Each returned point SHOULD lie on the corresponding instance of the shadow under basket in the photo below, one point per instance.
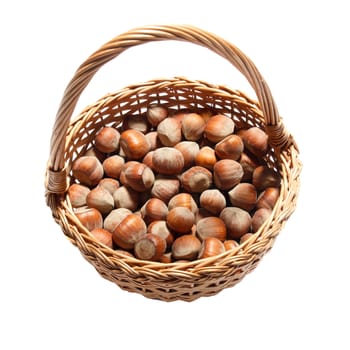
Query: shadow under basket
(72, 138)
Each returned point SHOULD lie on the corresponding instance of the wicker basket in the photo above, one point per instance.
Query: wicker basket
(70, 139)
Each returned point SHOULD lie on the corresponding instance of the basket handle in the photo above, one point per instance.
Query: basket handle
(56, 174)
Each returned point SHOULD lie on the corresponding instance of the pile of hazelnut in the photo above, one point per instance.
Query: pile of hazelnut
(174, 186)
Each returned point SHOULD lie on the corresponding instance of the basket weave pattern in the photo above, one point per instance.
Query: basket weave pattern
(71, 139)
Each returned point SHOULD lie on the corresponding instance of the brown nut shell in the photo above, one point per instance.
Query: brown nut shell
(227, 174)
(237, 221)
(259, 218)
(268, 198)
(129, 231)
(113, 165)
(213, 201)
(107, 139)
(77, 195)
(87, 170)
(186, 247)
(189, 150)
(100, 199)
(155, 114)
(169, 132)
(103, 236)
(211, 246)
(206, 158)
(231, 147)
(243, 196)
(192, 126)
(255, 140)
(168, 161)
(211, 226)
(114, 218)
(218, 127)
(183, 200)
(134, 144)
(180, 220)
(154, 209)
(150, 247)
(164, 188)
(90, 218)
(111, 185)
(264, 177)
(160, 228)
(138, 176)
(125, 197)
(196, 179)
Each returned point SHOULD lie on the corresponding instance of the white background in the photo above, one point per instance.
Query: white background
(297, 298)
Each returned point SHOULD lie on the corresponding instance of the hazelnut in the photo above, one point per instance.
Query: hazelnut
(237, 222)
(168, 161)
(137, 175)
(150, 247)
(264, 177)
(192, 126)
(155, 114)
(165, 188)
(230, 244)
(227, 174)
(169, 132)
(268, 198)
(100, 199)
(111, 185)
(218, 127)
(255, 140)
(87, 170)
(134, 144)
(211, 246)
(154, 209)
(196, 179)
(189, 150)
(186, 247)
(180, 219)
(107, 140)
(160, 228)
(245, 237)
(90, 218)
(77, 195)
(211, 226)
(103, 236)
(212, 200)
(113, 165)
(129, 231)
(183, 200)
(206, 158)
(125, 197)
(259, 218)
(248, 162)
(114, 218)
(153, 140)
(243, 196)
(231, 147)
(148, 160)
(135, 122)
